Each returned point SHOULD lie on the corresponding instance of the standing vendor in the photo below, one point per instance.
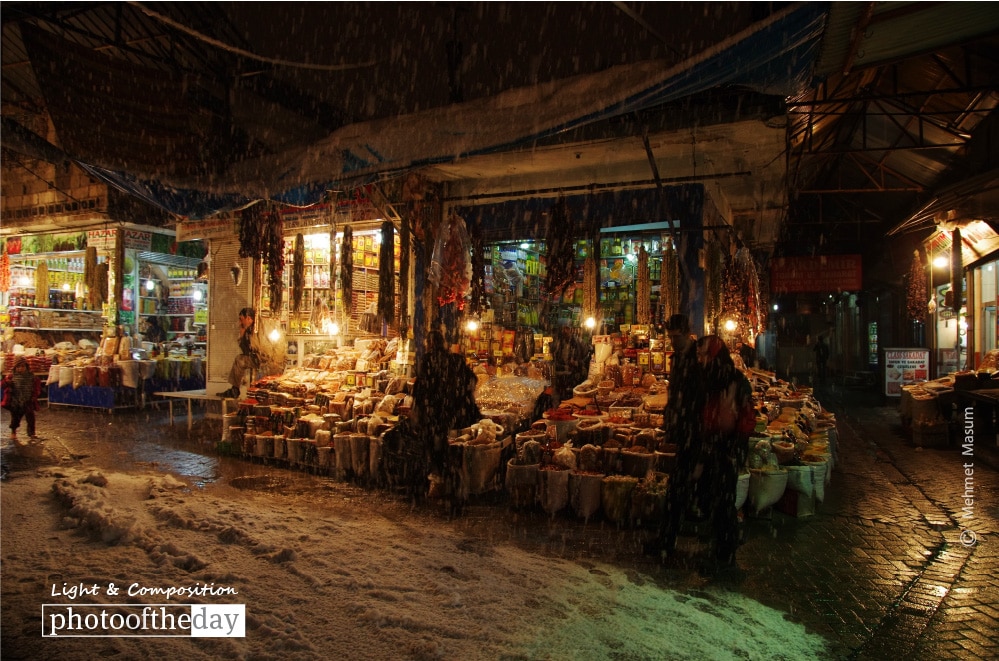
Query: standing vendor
(153, 332)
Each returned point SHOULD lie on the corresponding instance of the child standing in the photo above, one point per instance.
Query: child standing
(21, 390)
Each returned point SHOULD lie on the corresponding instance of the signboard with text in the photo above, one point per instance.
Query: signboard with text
(819, 274)
(903, 367)
(104, 239)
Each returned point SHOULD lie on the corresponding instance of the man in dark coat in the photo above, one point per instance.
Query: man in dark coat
(681, 424)
(443, 399)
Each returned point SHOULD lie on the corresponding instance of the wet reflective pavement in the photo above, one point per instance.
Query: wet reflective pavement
(900, 560)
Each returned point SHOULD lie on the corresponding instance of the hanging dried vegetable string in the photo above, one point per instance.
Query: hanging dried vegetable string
(42, 284)
(590, 287)
(4, 271)
(741, 299)
(478, 286)
(273, 253)
(333, 260)
(298, 273)
(643, 288)
(251, 238)
(90, 278)
(670, 282)
(561, 251)
(347, 270)
(386, 274)
(99, 294)
(713, 284)
(918, 296)
(404, 247)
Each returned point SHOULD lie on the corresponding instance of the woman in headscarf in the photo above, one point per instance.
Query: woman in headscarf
(727, 420)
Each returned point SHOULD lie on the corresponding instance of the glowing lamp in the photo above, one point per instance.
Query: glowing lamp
(590, 323)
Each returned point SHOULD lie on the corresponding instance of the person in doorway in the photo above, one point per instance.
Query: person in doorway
(249, 355)
(821, 357)
(153, 332)
(727, 418)
(443, 399)
(20, 392)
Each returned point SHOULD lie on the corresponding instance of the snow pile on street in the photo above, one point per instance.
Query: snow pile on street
(329, 578)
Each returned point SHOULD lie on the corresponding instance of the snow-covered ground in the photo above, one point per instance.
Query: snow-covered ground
(336, 572)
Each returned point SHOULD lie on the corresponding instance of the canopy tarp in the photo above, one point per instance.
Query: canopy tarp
(774, 56)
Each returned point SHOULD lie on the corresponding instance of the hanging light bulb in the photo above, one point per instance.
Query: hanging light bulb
(274, 335)
(150, 285)
(196, 294)
(472, 325)
(590, 323)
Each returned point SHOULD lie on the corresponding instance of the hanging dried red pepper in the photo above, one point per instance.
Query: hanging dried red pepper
(298, 273)
(386, 274)
(560, 249)
(347, 270)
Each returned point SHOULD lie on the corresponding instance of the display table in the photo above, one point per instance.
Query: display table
(99, 397)
(187, 396)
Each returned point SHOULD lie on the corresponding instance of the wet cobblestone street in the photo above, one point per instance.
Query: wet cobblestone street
(897, 562)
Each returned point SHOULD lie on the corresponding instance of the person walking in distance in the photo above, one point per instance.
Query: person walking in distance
(249, 354)
(20, 392)
(821, 357)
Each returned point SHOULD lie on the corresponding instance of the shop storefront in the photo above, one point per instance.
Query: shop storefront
(338, 401)
(962, 307)
(78, 304)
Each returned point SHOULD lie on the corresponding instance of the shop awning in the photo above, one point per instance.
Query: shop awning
(775, 56)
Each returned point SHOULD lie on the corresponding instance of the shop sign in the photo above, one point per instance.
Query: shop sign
(820, 274)
(904, 367)
(209, 228)
(134, 239)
